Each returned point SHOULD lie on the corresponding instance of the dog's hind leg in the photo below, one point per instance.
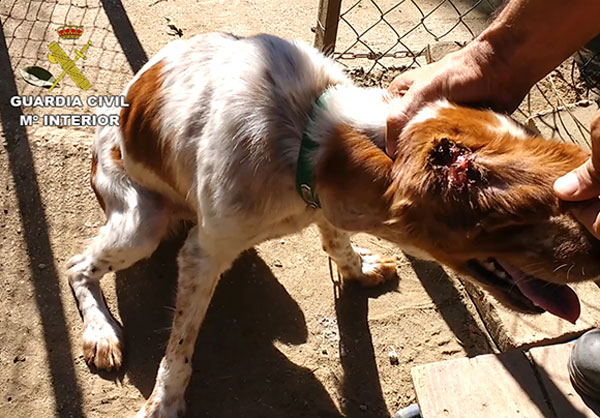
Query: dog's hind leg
(355, 263)
(199, 272)
(136, 222)
(129, 235)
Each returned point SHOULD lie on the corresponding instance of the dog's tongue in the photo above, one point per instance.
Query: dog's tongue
(557, 299)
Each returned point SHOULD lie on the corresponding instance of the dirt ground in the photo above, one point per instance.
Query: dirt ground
(280, 340)
(276, 341)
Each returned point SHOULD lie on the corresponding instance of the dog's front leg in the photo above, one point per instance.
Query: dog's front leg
(199, 274)
(355, 263)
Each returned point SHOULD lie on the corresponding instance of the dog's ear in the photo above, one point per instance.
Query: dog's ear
(470, 168)
(497, 182)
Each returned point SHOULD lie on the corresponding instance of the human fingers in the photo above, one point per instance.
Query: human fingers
(401, 84)
(583, 183)
(405, 90)
(595, 140)
(396, 120)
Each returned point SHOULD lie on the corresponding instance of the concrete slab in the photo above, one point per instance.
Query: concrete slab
(515, 330)
(488, 386)
(531, 384)
(551, 365)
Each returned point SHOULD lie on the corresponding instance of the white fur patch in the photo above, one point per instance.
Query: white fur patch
(428, 112)
(234, 111)
(509, 126)
(363, 109)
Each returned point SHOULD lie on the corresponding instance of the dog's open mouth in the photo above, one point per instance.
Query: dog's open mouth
(526, 291)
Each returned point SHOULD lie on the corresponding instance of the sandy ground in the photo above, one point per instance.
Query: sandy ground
(279, 339)
(276, 342)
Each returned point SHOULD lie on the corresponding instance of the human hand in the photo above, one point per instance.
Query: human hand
(465, 77)
(583, 184)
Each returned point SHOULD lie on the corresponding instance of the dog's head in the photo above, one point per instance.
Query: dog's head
(473, 190)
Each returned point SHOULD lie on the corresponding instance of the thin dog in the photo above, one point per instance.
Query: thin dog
(255, 138)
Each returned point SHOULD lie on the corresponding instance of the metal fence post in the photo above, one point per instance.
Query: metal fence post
(327, 25)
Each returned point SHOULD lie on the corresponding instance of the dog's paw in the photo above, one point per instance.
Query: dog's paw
(103, 344)
(375, 268)
(155, 407)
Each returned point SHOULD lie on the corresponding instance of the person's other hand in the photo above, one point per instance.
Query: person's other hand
(583, 184)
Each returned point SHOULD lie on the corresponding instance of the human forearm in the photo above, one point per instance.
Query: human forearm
(525, 42)
(529, 38)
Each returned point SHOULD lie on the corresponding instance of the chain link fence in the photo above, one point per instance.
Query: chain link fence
(378, 39)
(374, 39)
(28, 28)
(397, 33)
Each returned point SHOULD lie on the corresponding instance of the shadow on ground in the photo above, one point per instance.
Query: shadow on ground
(32, 212)
(238, 372)
(361, 386)
(447, 298)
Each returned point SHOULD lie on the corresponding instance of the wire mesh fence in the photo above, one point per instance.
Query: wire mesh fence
(378, 39)
(396, 33)
(375, 39)
(29, 27)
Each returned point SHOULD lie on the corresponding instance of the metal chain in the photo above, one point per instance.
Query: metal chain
(376, 55)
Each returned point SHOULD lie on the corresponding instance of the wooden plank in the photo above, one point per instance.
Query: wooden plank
(511, 329)
(488, 386)
(438, 50)
(327, 25)
(551, 364)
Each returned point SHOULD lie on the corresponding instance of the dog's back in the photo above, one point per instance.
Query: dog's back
(246, 99)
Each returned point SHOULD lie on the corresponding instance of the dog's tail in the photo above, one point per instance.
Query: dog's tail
(108, 173)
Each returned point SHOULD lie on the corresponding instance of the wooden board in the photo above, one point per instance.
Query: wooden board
(488, 386)
(438, 50)
(511, 330)
(551, 364)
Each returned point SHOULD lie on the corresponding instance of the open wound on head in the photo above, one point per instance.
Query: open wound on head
(454, 166)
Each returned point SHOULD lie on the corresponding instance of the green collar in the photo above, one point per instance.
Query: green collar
(304, 171)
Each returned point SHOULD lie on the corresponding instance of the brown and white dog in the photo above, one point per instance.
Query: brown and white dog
(213, 133)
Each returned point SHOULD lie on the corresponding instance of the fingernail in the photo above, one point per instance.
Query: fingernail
(567, 185)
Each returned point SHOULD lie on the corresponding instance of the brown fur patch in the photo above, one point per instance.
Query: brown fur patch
(508, 212)
(115, 155)
(353, 173)
(140, 124)
(92, 177)
(519, 172)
